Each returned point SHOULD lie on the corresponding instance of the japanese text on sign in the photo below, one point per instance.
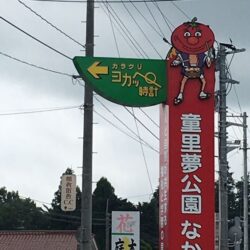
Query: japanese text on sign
(163, 187)
(68, 193)
(191, 192)
(131, 75)
(125, 230)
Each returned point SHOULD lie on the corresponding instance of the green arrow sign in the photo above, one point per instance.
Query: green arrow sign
(130, 82)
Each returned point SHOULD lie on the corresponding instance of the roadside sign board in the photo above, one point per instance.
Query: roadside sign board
(125, 230)
(186, 190)
(125, 81)
(68, 192)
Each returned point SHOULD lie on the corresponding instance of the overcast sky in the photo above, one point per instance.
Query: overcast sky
(35, 149)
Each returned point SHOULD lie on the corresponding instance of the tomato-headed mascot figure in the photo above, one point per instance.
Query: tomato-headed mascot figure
(193, 50)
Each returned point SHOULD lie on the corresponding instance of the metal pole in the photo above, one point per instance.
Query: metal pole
(86, 199)
(107, 225)
(245, 189)
(223, 163)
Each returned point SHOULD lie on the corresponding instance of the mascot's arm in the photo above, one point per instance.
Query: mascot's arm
(177, 61)
(209, 57)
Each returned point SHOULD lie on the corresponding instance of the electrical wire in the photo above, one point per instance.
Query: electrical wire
(42, 202)
(143, 153)
(113, 31)
(233, 128)
(131, 113)
(167, 21)
(34, 65)
(182, 11)
(149, 117)
(52, 25)
(239, 127)
(123, 123)
(117, 25)
(147, 21)
(98, 1)
(127, 32)
(234, 112)
(124, 132)
(157, 24)
(140, 28)
(40, 111)
(139, 195)
(237, 97)
(34, 38)
(229, 64)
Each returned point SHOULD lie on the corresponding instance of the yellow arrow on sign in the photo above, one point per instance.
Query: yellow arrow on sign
(95, 70)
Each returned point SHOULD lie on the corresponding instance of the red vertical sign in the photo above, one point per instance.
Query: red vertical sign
(187, 142)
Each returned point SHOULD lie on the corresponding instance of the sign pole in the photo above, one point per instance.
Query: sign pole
(86, 198)
(245, 189)
(223, 163)
(223, 149)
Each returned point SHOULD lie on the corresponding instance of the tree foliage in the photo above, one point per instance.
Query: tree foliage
(104, 202)
(149, 225)
(18, 213)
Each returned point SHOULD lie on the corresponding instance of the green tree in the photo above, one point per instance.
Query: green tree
(231, 192)
(104, 199)
(150, 220)
(145, 246)
(18, 213)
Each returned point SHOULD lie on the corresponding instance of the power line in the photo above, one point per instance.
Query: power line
(52, 25)
(113, 31)
(143, 153)
(100, 1)
(127, 32)
(40, 111)
(42, 202)
(36, 39)
(139, 195)
(124, 132)
(123, 123)
(141, 123)
(149, 117)
(34, 65)
(237, 97)
(140, 28)
(167, 21)
(145, 19)
(117, 25)
(182, 11)
(151, 13)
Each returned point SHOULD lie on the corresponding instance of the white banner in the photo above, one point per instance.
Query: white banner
(68, 192)
(125, 230)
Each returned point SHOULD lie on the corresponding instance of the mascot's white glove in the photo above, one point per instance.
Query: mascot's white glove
(176, 62)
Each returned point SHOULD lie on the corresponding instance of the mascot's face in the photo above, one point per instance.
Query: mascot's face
(192, 38)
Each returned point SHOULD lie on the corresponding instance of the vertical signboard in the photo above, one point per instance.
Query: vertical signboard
(68, 192)
(125, 230)
(164, 176)
(187, 142)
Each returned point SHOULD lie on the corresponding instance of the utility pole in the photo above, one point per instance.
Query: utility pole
(245, 189)
(223, 163)
(107, 226)
(245, 175)
(86, 199)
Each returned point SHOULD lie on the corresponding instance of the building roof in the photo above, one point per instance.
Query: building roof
(38, 240)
